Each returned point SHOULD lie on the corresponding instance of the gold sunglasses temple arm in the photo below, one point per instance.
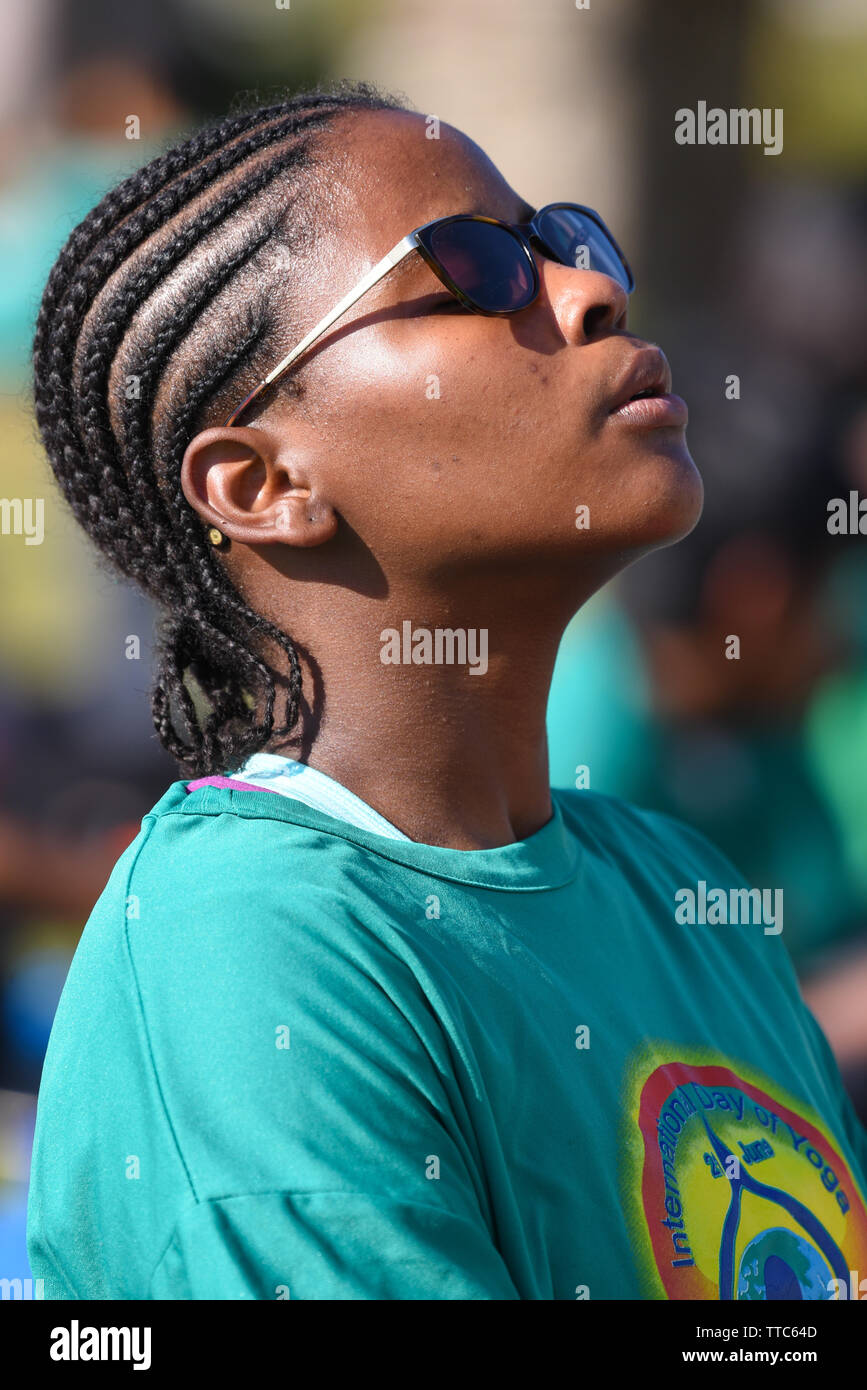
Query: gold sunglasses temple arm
(381, 269)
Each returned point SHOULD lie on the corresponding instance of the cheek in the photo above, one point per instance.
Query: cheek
(453, 395)
(439, 441)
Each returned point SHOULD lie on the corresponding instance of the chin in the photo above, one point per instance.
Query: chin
(668, 497)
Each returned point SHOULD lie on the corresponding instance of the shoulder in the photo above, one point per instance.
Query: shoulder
(216, 914)
(641, 834)
(228, 938)
(226, 900)
(214, 852)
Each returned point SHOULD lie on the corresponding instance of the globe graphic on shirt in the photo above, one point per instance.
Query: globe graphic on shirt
(780, 1264)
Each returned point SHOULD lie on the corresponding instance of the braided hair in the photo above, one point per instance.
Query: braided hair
(157, 316)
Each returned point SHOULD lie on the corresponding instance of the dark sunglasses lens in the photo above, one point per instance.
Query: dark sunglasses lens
(577, 240)
(487, 263)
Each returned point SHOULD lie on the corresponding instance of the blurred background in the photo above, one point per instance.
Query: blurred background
(748, 266)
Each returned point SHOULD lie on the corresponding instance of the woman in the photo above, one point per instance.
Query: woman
(366, 1011)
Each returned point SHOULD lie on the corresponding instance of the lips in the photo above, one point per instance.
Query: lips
(648, 375)
(644, 398)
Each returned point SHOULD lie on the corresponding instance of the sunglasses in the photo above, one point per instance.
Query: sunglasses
(488, 265)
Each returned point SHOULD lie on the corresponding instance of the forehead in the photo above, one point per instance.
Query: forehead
(386, 175)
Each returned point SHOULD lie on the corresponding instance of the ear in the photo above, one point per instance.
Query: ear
(255, 490)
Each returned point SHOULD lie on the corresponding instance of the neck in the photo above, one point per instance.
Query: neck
(450, 756)
(455, 760)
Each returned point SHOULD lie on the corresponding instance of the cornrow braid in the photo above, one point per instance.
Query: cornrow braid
(158, 295)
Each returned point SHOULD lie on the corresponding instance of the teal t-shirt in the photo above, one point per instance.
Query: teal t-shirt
(297, 1059)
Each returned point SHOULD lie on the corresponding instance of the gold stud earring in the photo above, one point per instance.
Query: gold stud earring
(217, 539)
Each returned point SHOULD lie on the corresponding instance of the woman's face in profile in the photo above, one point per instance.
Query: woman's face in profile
(446, 438)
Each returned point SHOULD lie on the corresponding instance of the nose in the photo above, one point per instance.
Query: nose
(587, 304)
